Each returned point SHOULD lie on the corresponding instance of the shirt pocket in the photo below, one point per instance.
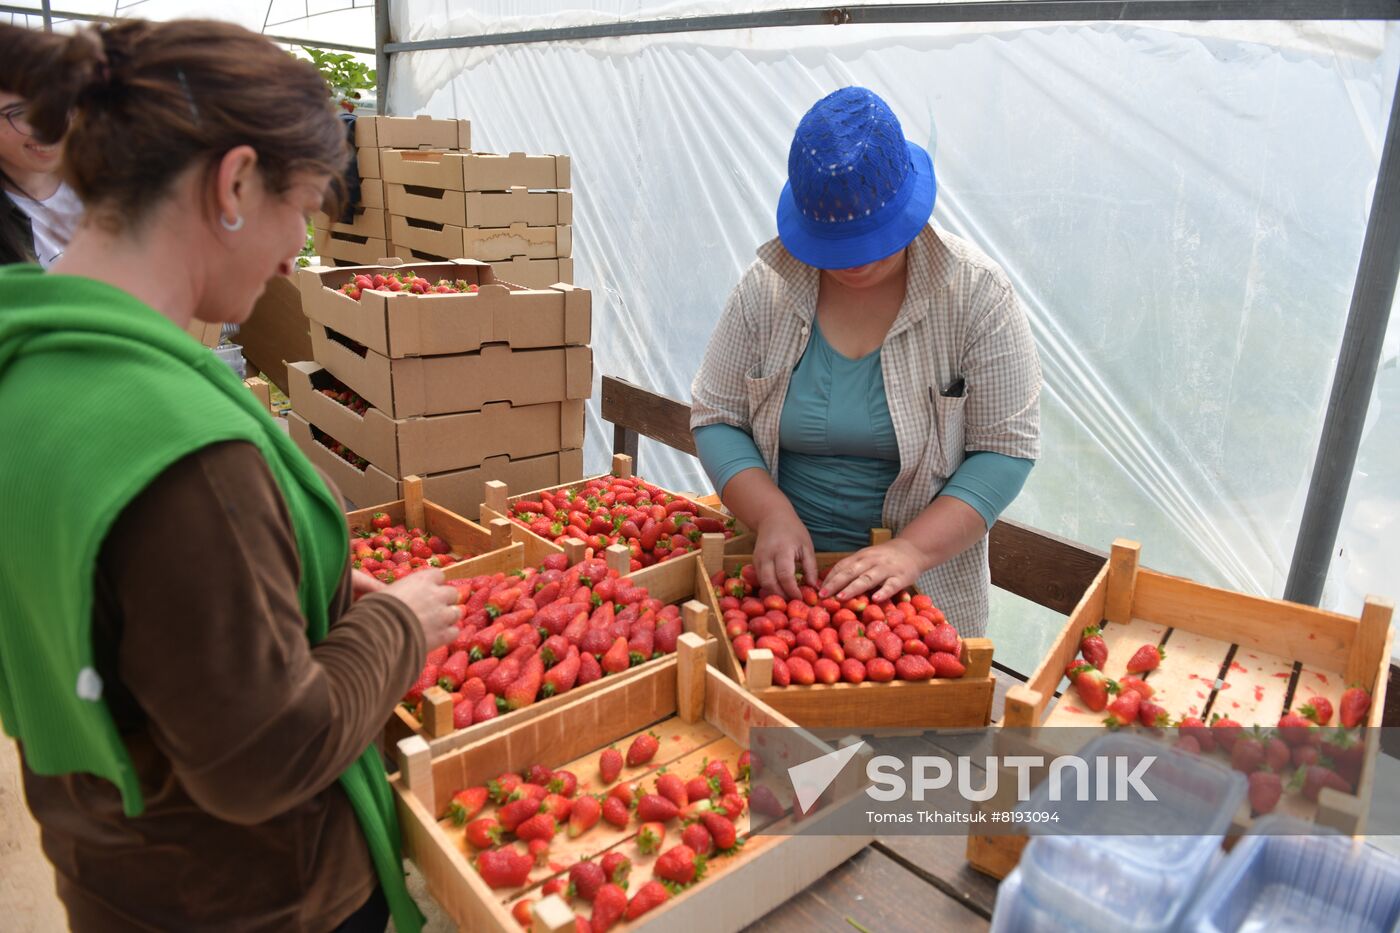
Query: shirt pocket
(949, 413)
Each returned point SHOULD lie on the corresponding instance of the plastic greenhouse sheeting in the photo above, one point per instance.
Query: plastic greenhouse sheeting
(1180, 207)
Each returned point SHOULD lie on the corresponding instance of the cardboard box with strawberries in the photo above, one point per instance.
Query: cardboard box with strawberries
(527, 273)
(460, 490)
(436, 444)
(399, 324)
(472, 171)
(485, 243)
(418, 132)
(481, 208)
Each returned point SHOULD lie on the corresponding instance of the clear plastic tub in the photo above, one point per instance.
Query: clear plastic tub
(1281, 882)
(1130, 866)
(232, 354)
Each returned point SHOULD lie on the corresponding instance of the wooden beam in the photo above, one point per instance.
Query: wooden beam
(1047, 570)
(1122, 580)
(656, 416)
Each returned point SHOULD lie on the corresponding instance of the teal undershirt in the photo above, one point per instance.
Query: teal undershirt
(838, 454)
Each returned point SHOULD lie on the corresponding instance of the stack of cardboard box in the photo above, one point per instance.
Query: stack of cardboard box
(456, 388)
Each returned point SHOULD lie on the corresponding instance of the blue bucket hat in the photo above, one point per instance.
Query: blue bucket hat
(857, 190)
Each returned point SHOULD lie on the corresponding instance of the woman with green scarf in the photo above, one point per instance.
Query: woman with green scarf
(194, 698)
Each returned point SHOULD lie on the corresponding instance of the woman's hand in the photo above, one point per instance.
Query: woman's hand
(891, 566)
(432, 601)
(783, 547)
(362, 584)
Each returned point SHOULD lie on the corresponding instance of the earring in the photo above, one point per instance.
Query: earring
(232, 227)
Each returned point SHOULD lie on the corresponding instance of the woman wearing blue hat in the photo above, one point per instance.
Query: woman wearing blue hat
(869, 371)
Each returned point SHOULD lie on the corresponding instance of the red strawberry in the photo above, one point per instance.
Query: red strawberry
(1091, 645)
(1305, 755)
(650, 837)
(521, 913)
(616, 659)
(1247, 754)
(1137, 685)
(526, 687)
(1353, 706)
(1224, 730)
(1318, 709)
(679, 865)
(505, 785)
(539, 826)
(698, 788)
(564, 783)
(1265, 789)
(506, 867)
(649, 895)
(586, 878)
(719, 770)
(453, 671)
(744, 763)
(696, 808)
(484, 833)
(1196, 728)
(380, 520)
(539, 774)
(558, 806)
(944, 638)
(1346, 751)
(616, 812)
(626, 791)
(462, 714)
(539, 851)
(608, 907)
(610, 765)
(1188, 744)
(1294, 728)
(558, 885)
(880, 671)
(732, 805)
(698, 838)
(722, 831)
(914, 668)
(1314, 778)
(1123, 711)
(1277, 754)
(1150, 714)
(467, 804)
(584, 815)
(562, 676)
(617, 867)
(1145, 659)
(947, 665)
(642, 750)
(588, 669)
(517, 811)
(653, 808)
(673, 789)
(1092, 685)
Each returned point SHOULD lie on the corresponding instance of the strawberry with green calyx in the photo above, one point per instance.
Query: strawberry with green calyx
(609, 905)
(698, 838)
(584, 815)
(467, 804)
(615, 811)
(1094, 687)
(1195, 728)
(653, 808)
(678, 867)
(723, 832)
(617, 867)
(1224, 730)
(648, 897)
(1152, 715)
(506, 867)
(1311, 781)
(616, 660)
(1247, 752)
(515, 812)
(744, 765)
(694, 809)
(701, 788)
(540, 826)
(564, 783)
(521, 913)
(1352, 708)
(380, 521)
(1318, 709)
(484, 833)
(673, 789)
(1296, 729)
(586, 878)
(1137, 685)
(650, 837)
(559, 807)
(1146, 658)
(1092, 646)
(643, 749)
(1123, 711)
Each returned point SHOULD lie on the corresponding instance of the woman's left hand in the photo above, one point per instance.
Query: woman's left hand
(362, 584)
(890, 567)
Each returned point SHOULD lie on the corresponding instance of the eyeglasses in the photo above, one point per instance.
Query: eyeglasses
(16, 115)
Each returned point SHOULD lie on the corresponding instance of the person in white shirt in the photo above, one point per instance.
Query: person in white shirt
(38, 211)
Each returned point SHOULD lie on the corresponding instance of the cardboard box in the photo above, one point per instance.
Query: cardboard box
(420, 132)
(276, 332)
(487, 244)
(369, 222)
(368, 162)
(372, 193)
(207, 334)
(361, 250)
(440, 443)
(440, 385)
(528, 273)
(458, 490)
(262, 391)
(473, 171)
(397, 325)
(481, 208)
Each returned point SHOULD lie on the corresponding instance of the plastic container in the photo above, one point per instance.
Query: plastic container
(232, 354)
(1278, 881)
(1129, 866)
(1017, 910)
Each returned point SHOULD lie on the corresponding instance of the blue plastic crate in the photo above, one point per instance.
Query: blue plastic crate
(1279, 882)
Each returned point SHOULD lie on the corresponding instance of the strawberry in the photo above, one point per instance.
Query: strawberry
(558, 806)
(1145, 659)
(1151, 714)
(947, 665)
(467, 804)
(1265, 789)
(696, 808)
(1312, 779)
(1353, 707)
(1247, 753)
(723, 832)
(1293, 728)
(562, 676)
(616, 812)
(1346, 752)
(719, 770)
(610, 765)
(1123, 711)
(1318, 709)
(1092, 646)
(521, 913)
(539, 851)
(679, 865)
(526, 687)
(453, 671)
(699, 788)
(1188, 744)
(516, 812)
(380, 521)
(1195, 727)
(650, 895)
(608, 907)
(1277, 754)
(462, 714)
(914, 668)
(558, 885)
(1137, 685)
(506, 867)
(1224, 730)
(539, 774)
(563, 783)
(1306, 755)
(650, 837)
(539, 826)
(584, 815)
(616, 659)
(585, 879)
(653, 808)
(643, 749)
(1093, 687)
(732, 805)
(698, 838)
(673, 789)
(626, 791)
(617, 867)
(744, 764)
(484, 833)
(505, 785)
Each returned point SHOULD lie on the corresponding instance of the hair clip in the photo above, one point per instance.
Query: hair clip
(189, 97)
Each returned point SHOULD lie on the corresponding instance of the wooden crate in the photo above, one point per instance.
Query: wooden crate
(932, 704)
(432, 720)
(698, 713)
(1247, 657)
(491, 548)
(499, 500)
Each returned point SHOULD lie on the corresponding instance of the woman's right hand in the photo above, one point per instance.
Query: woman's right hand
(783, 547)
(432, 601)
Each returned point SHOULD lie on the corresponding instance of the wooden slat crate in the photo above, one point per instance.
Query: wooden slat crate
(499, 501)
(1246, 657)
(930, 704)
(681, 584)
(699, 714)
